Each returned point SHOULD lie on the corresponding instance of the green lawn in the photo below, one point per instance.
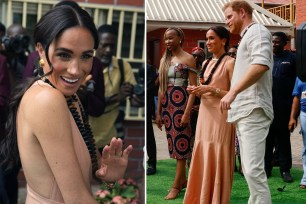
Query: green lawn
(158, 184)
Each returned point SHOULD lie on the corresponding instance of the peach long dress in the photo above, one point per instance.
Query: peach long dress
(212, 165)
(84, 160)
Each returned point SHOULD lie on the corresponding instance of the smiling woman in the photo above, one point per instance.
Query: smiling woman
(47, 124)
(212, 165)
(177, 67)
(72, 56)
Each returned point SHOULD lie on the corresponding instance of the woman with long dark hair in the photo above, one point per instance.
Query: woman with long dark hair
(212, 165)
(48, 131)
(177, 67)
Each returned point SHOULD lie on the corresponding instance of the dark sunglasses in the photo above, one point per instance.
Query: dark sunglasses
(231, 54)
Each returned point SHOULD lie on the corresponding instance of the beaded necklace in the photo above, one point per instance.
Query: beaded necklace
(212, 71)
(82, 125)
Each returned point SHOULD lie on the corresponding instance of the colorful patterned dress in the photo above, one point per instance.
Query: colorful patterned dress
(174, 104)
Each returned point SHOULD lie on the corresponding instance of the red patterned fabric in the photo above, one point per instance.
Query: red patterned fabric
(174, 103)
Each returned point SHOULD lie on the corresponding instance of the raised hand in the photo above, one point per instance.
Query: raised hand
(113, 161)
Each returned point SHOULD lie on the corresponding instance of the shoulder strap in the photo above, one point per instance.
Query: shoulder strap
(121, 68)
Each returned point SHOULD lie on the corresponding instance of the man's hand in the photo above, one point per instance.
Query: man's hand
(125, 90)
(225, 103)
(86, 80)
(114, 161)
(292, 124)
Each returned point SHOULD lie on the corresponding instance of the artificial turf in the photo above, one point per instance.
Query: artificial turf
(158, 184)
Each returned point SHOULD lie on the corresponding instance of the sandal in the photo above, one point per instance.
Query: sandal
(174, 192)
(184, 185)
(302, 186)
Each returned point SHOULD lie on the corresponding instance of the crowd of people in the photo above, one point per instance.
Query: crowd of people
(241, 102)
(56, 101)
(250, 99)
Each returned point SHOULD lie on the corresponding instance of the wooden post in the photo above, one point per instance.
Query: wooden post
(291, 11)
(263, 3)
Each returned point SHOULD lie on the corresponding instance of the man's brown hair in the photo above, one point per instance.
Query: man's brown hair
(236, 5)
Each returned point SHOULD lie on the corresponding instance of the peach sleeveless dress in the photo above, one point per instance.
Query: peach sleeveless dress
(55, 196)
(212, 165)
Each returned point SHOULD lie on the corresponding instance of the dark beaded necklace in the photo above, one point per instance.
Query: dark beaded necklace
(212, 70)
(83, 126)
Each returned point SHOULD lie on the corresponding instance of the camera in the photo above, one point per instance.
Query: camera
(139, 87)
(17, 44)
(91, 86)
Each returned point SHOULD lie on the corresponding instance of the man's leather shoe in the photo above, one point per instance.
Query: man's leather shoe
(151, 170)
(287, 177)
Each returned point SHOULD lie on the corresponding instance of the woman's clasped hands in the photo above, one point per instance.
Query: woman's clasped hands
(199, 90)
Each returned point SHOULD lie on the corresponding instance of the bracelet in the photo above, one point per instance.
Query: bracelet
(217, 91)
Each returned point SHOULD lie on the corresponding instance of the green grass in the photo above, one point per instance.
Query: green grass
(158, 184)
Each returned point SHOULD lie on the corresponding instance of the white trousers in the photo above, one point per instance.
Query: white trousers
(252, 132)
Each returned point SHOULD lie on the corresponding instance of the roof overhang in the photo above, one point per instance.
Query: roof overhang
(201, 15)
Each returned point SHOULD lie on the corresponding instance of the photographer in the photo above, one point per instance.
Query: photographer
(137, 99)
(8, 175)
(2, 33)
(15, 46)
(119, 81)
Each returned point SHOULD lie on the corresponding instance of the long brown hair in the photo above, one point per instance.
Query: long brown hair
(166, 61)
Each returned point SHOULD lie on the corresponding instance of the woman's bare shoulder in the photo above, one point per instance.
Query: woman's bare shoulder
(41, 101)
(230, 62)
(189, 60)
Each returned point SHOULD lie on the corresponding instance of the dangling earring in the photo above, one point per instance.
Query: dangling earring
(41, 62)
(180, 42)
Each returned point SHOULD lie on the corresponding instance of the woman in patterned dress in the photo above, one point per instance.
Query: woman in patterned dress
(177, 67)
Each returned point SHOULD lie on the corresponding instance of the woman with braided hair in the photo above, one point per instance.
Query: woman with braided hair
(174, 104)
(212, 165)
(48, 131)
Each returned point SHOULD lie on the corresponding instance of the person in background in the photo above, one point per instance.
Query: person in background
(16, 44)
(2, 34)
(174, 105)
(8, 178)
(119, 80)
(233, 51)
(47, 127)
(299, 109)
(151, 143)
(249, 101)
(284, 75)
(199, 57)
(212, 165)
(8, 78)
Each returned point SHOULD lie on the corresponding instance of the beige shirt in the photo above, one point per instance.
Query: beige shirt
(255, 48)
(103, 126)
